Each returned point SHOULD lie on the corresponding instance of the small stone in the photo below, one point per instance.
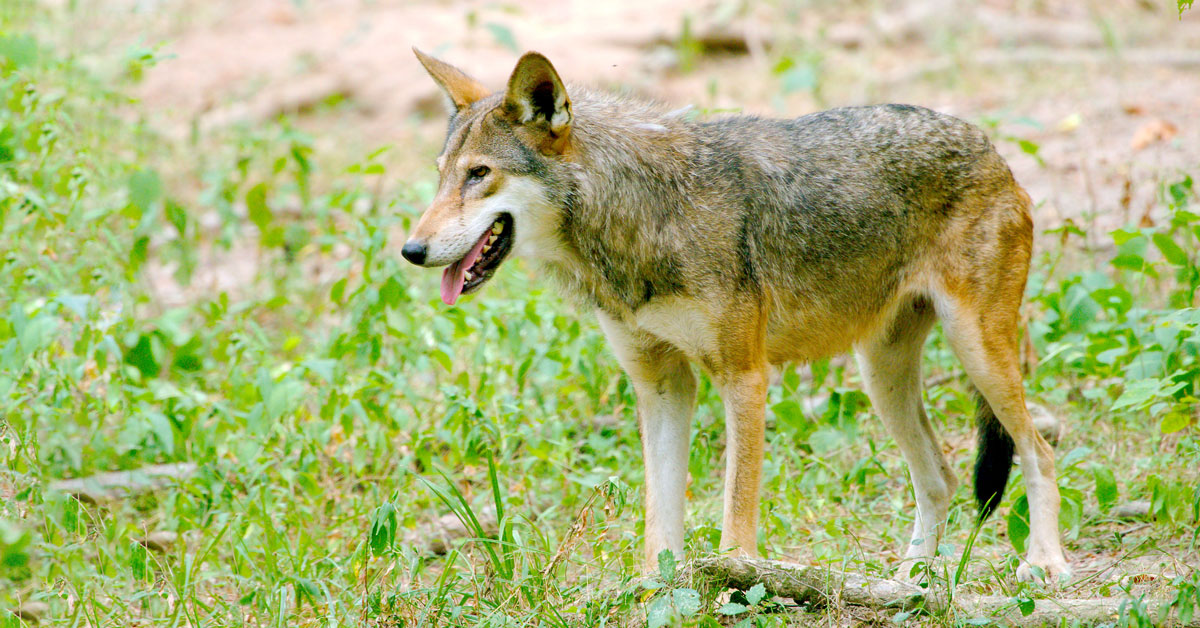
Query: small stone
(160, 541)
(33, 611)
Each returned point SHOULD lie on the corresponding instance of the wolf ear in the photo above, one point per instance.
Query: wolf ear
(462, 89)
(536, 97)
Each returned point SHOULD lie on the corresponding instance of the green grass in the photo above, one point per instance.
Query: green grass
(335, 408)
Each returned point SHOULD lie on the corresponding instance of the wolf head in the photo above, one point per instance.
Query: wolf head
(497, 173)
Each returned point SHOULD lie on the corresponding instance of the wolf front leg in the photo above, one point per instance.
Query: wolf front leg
(666, 395)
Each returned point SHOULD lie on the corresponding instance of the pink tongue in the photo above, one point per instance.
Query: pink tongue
(455, 274)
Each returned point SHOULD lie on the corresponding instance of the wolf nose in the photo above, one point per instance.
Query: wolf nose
(414, 252)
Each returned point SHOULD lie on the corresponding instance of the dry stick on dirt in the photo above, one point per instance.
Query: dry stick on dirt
(1037, 56)
(820, 586)
(117, 484)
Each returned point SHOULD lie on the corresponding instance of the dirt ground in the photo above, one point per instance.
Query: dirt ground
(1109, 91)
(1094, 103)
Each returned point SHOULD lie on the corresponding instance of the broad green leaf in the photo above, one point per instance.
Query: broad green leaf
(1175, 421)
(442, 358)
(1137, 394)
(756, 594)
(144, 189)
(139, 561)
(77, 303)
(323, 368)
(37, 334)
(141, 356)
(1081, 308)
(733, 608)
(666, 565)
(1018, 524)
(14, 547)
(383, 529)
(20, 50)
(1030, 148)
(660, 612)
(1106, 487)
(1121, 237)
(177, 216)
(256, 207)
(1170, 249)
(687, 601)
(392, 292)
(1071, 511)
(337, 292)
(307, 590)
(138, 252)
(284, 397)
(161, 426)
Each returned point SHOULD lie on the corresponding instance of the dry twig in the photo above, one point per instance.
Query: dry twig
(117, 484)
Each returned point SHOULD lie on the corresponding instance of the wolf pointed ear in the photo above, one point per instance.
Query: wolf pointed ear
(536, 97)
(462, 89)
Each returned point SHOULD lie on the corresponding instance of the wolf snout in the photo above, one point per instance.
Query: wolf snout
(414, 252)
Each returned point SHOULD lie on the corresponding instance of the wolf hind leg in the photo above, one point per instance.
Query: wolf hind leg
(981, 326)
(890, 363)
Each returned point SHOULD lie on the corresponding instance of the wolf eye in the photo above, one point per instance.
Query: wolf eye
(478, 172)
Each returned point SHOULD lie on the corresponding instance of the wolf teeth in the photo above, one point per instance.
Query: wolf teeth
(498, 228)
(469, 276)
(491, 241)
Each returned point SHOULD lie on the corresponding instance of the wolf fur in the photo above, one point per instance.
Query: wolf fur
(744, 242)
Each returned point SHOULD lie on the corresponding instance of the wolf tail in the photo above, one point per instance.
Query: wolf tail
(994, 459)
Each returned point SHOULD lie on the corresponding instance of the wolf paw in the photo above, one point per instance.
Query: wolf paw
(1047, 572)
(916, 571)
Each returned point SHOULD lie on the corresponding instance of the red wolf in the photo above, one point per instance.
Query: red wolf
(744, 242)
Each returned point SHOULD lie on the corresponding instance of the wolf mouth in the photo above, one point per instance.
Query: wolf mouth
(480, 263)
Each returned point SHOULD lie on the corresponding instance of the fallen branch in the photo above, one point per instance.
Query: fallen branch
(815, 586)
(95, 488)
(1030, 57)
(1137, 509)
(820, 586)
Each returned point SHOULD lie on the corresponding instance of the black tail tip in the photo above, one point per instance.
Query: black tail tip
(994, 459)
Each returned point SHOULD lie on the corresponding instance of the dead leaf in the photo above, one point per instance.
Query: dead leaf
(1146, 222)
(1156, 130)
(1126, 194)
(1070, 123)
